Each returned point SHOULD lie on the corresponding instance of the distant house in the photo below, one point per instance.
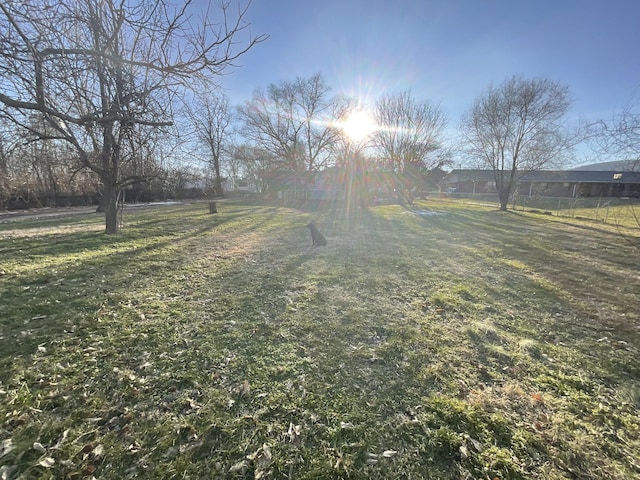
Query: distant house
(327, 185)
(609, 179)
(230, 185)
(290, 187)
(468, 181)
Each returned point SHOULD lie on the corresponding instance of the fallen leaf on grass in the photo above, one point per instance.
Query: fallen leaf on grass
(38, 447)
(47, 462)
(464, 452)
(6, 446)
(294, 433)
(98, 452)
(244, 389)
(65, 434)
(238, 467)
(477, 446)
(262, 457)
(537, 398)
(6, 471)
(389, 453)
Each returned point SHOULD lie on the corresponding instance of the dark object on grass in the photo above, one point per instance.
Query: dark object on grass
(316, 237)
(213, 208)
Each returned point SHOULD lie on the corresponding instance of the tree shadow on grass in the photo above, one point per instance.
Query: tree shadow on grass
(48, 298)
(71, 271)
(319, 341)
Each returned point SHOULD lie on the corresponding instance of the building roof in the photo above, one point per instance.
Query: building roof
(616, 165)
(581, 176)
(468, 175)
(548, 176)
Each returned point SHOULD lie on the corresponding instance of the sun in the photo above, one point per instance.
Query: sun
(358, 125)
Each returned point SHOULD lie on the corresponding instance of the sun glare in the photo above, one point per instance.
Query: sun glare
(358, 125)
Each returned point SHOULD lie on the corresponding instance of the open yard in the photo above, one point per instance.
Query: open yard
(448, 341)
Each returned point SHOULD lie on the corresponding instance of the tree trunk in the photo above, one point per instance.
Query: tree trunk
(218, 179)
(110, 205)
(503, 187)
(504, 200)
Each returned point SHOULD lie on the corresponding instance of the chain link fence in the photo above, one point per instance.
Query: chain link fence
(605, 210)
(616, 211)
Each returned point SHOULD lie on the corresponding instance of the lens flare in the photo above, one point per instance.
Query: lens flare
(358, 125)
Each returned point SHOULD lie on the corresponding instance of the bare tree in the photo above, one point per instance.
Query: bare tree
(233, 165)
(256, 163)
(409, 139)
(518, 127)
(102, 72)
(620, 135)
(211, 117)
(292, 121)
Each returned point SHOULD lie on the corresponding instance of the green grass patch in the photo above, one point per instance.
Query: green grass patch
(469, 343)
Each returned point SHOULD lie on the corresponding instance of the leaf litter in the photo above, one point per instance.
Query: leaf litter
(349, 379)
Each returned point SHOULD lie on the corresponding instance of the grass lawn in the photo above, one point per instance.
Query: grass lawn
(451, 341)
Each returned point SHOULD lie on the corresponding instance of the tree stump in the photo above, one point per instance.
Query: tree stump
(213, 208)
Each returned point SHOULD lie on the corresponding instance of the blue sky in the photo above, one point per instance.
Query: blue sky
(447, 51)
